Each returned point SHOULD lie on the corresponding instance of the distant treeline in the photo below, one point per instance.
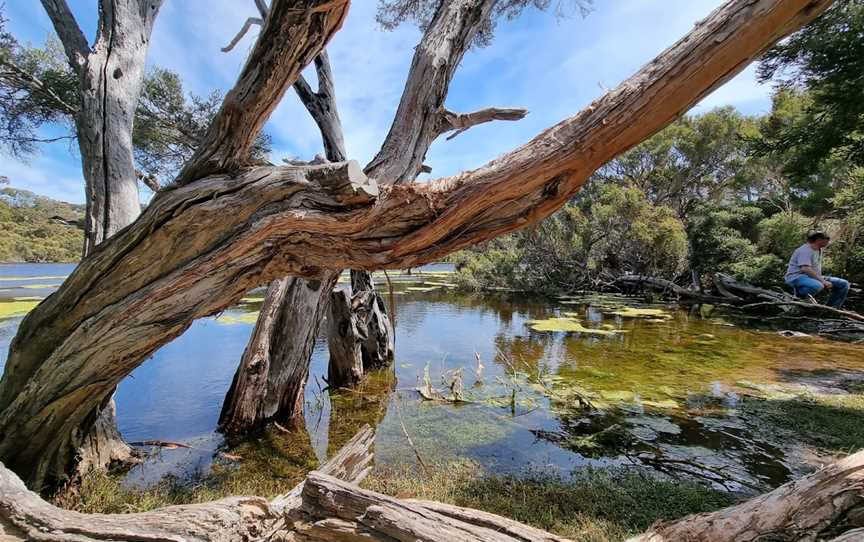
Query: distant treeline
(31, 234)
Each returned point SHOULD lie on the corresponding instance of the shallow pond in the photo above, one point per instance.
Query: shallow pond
(560, 383)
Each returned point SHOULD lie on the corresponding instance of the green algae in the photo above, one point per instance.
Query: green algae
(569, 325)
(637, 312)
(235, 318)
(12, 309)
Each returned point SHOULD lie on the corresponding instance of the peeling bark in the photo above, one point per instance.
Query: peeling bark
(370, 313)
(199, 246)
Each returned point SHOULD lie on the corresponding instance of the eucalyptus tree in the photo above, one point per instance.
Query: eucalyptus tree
(227, 224)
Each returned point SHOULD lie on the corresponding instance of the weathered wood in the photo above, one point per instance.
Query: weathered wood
(826, 505)
(370, 315)
(294, 32)
(200, 246)
(344, 340)
(25, 516)
(421, 116)
(272, 374)
(275, 364)
(110, 79)
(334, 510)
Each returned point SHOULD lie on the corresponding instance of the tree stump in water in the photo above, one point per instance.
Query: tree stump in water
(344, 339)
(377, 348)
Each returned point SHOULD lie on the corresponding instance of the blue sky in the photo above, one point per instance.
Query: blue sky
(549, 65)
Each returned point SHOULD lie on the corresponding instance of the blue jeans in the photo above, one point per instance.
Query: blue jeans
(805, 286)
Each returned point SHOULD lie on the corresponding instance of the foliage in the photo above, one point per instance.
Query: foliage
(587, 238)
(25, 107)
(30, 234)
(825, 59)
(392, 13)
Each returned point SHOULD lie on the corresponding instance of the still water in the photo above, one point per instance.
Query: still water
(548, 384)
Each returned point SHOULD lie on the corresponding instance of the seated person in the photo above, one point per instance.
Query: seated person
(804, 273)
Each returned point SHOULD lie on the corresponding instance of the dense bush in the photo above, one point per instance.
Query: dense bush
(30, 234)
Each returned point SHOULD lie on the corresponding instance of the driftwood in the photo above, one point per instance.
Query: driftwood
(327, 506)
(827, 505)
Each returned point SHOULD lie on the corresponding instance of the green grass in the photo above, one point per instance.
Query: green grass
(832, 422)
(594, 506)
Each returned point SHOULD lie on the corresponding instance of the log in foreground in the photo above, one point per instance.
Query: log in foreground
(202, 244)
(827, 505)
(327, 506)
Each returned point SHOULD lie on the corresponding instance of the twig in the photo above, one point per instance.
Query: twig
(408, 438)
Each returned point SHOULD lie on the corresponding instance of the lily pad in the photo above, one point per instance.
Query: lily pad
(238, 318)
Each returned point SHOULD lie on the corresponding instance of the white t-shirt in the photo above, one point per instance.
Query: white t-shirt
(804, 255)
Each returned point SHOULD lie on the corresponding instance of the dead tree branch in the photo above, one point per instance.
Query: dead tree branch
(461, 122)
(293, 34)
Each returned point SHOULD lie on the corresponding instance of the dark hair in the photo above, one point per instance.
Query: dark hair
(817, 236)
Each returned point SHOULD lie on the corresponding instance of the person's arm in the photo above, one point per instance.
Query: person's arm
(810, 272)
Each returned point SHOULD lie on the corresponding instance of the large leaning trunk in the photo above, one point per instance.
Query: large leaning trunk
(110, 77)
(223, 228)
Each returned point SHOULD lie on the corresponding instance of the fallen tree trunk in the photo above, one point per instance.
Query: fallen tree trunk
(204, 242)
(827, 505)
